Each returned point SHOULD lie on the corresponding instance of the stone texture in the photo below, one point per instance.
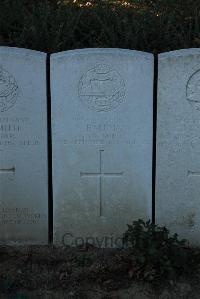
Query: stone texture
(178, 143)
(23, 147)
(102, 143)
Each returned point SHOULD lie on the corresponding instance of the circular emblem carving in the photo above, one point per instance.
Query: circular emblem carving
(101, 88)
(8, 90)
(193, 90)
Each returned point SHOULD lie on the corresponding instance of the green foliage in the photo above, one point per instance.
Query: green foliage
(156, 254)
(53, 25)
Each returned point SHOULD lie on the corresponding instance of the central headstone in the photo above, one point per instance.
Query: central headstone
(102, 143)
(23, 147)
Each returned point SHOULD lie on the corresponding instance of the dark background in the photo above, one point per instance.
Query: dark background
(52, 25)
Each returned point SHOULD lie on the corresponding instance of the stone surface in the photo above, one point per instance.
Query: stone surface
(23, 147)
(102, 143)
(178, 143)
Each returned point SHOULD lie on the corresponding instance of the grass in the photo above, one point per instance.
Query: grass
(52, 26)
(62, 272)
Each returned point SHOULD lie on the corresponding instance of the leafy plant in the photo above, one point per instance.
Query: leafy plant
(155, 254)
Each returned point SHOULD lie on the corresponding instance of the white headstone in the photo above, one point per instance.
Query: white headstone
(178, 143)
(102, 142)
(23, 147)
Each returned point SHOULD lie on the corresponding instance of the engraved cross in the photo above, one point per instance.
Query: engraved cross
(7, 170)
(101, 174)
(192, 173)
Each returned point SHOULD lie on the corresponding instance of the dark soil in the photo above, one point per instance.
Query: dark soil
(58, 272)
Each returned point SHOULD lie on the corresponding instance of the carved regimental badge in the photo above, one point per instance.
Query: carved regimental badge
(101, 88)
(193, 90)
(8, 90)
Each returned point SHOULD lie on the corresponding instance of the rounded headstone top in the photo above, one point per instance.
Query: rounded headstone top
(113, 51)
(179, 53)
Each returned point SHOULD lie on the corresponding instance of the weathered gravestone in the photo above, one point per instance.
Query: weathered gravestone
(102, 143)
(178, 143)
(23, 147)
